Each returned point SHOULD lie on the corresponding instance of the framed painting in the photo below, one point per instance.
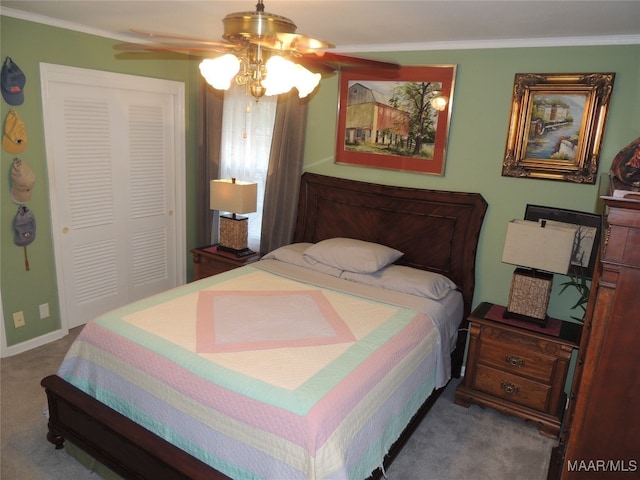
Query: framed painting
(398, 123)
(556, 126)
(585, 251)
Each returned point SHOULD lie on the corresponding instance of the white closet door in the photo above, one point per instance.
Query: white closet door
(111, 157)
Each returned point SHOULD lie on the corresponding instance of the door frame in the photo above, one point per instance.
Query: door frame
(51, 73)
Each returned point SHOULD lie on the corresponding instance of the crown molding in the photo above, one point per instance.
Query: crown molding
(54, 22)
(496, 43)
(388, 47)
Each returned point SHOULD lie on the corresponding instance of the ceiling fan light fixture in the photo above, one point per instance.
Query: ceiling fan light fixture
(279, 76)
(219, 72)
(283, 75)
(306, 81)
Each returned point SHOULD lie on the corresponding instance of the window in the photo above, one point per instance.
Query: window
(247, 130)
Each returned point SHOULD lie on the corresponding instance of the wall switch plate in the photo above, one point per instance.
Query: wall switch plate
(44, 310)
(18, 319)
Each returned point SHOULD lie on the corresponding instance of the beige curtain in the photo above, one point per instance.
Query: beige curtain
(283, 177)
(211, 105)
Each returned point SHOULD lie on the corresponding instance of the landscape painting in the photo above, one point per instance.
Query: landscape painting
(398, 123)
(556, 126)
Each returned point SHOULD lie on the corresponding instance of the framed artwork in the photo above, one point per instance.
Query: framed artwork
(589, 225)
(556, 126)
(397, 123)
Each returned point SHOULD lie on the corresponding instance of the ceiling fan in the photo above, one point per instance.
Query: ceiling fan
(261, 51)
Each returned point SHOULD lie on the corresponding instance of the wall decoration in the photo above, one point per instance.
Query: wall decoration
(395, 120)
(587, 239)
(556, 126)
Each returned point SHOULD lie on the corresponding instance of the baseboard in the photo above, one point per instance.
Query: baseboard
(35, 342)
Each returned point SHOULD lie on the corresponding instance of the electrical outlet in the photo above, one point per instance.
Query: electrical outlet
(18, 319)
(44, 310)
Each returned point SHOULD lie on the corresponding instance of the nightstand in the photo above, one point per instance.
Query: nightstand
(518, 368)
(208, 261)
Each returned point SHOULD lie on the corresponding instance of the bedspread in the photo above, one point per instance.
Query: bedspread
(263, 376)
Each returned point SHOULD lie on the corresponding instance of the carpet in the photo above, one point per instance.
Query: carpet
(451, 443)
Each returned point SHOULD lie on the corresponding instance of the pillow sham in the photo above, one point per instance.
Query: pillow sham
(293, 254)
(351, 254)
(405, 279)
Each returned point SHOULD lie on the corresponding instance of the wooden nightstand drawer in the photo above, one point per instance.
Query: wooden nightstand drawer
(206, 268)
(517, 360)
(512, 387)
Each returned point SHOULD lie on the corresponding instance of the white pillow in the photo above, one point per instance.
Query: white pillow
(293, 254)
(352, 255)
(406, 280)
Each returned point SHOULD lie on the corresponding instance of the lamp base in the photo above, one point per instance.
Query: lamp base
(529, 296)
(233, 233)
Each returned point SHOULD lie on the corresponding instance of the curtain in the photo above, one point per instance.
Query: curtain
(283, 175)
(247, 130)
(278, 196)
(209, 138)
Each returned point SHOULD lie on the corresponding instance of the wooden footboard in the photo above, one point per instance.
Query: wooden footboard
(132, 451)
(115, 441)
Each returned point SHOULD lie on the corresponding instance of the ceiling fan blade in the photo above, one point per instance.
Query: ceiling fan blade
(348, 61)
(185, 49)
(300, 43)
(168, 38)
(156, 55)
(328, 62)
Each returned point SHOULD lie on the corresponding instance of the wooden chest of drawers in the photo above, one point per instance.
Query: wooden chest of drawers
(517, 368)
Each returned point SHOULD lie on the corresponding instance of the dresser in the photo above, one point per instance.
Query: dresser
(208, 261)
(600, 438)
(518, 368)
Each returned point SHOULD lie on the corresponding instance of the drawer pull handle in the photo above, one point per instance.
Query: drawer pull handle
(510, 388)
(514, 361)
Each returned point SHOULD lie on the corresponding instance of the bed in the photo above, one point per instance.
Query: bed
(338, 390)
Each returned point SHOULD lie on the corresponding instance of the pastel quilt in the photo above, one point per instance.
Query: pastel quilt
(262, 376)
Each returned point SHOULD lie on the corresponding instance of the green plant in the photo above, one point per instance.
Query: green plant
(579, 282)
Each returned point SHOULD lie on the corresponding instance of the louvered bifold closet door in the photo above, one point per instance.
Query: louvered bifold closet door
(115, 196)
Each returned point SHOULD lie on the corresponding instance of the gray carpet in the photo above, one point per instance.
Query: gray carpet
(452, 443)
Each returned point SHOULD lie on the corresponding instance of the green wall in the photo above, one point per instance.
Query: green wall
(29, 44)
(477, 137)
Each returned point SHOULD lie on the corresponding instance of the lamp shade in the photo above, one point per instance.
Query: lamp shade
(229, 195)
(530, 244)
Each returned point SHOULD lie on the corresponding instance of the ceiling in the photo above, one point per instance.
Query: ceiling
(361, 26)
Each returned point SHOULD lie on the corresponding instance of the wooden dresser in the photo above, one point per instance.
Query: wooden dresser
(601, 435)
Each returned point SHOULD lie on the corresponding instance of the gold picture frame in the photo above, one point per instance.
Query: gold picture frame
(556, 126)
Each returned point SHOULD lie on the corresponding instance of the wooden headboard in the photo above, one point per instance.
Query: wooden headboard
(436, 230)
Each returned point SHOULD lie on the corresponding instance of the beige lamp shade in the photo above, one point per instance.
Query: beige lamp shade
(233, 196)
(548, 248)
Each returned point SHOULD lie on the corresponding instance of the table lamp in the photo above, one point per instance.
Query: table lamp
(234, 197)
(539, 250)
